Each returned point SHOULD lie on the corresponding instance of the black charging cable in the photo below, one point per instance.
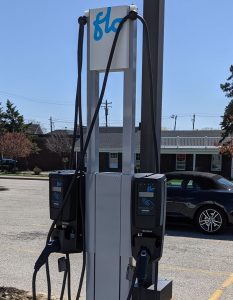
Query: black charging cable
(140, 272)
(83, 21)
(82, 155)
(133, 282)
(83, 152)
(107, 71)
(151, 91)
(133, 16)
(78, 115)
(63, 284)
(78, 99)
(48, 279)
(51, 247)
(68, 276)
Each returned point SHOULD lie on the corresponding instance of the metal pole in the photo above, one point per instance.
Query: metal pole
(106, 113)
(154, 16)
(92, 168)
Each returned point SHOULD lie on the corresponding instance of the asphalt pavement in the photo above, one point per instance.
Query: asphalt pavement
(200, 266)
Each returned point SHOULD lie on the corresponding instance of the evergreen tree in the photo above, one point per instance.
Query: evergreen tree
(1, 119)
(227, 122)
(13, 121)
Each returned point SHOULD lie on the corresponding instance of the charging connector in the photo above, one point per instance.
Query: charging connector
(143, 261)
(51, 247)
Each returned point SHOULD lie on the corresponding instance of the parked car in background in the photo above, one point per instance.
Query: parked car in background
(7, 164)
(205, 198)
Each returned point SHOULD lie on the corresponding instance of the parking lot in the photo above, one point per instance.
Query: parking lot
(200, 266)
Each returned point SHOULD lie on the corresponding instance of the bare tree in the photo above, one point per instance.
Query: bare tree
(60, 143)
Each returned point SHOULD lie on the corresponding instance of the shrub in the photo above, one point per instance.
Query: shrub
(37, 171)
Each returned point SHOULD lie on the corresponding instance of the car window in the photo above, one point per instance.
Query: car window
(174, 182)
(185, 184)
(206, 183)
(226, 183)
(192, 185)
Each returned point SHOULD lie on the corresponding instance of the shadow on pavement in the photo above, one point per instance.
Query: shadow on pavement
(185, 229)
(2, 188)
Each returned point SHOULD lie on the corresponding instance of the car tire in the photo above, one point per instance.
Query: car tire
(210, 220)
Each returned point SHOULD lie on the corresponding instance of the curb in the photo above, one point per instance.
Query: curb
(24, 178)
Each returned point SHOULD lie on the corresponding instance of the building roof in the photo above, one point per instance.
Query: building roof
(110, 139)
(34, 129)
(191, 133)
(61, 131)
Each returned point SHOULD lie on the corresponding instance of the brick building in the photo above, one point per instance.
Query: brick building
(180, 150)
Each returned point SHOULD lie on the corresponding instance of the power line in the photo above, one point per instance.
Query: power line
(36, 100)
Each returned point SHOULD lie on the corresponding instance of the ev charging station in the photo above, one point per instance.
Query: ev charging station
(108, 195)
(124, 212)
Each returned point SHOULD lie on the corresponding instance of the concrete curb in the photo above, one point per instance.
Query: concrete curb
(24, 178)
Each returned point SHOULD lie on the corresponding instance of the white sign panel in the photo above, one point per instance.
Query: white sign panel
(103, 23)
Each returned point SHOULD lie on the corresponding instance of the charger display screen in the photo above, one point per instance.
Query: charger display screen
(56, 195)
(146, 199)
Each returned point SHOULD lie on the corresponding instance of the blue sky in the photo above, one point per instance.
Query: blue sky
(38, 60)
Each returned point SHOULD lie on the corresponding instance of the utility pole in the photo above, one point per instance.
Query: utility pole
(154, 16)
(51, 124)
(175, 118)
(193, 121)
(106, 106)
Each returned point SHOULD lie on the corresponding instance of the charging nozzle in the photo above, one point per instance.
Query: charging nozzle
(142, 263)
(51, 247)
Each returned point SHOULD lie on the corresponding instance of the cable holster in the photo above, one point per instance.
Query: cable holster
(51, 247)
(142, 262)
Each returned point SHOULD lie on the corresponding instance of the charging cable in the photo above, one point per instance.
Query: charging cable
(140, 272)
(83, 148)
(51, 247)
(83, 152)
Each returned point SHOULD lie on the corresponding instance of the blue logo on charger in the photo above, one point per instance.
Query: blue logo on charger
(101, 19)
(150, 188)
(147, 202)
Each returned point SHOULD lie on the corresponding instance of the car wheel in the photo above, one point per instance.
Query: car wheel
(210, 220)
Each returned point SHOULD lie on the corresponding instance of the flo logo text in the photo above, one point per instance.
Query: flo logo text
(101, 19)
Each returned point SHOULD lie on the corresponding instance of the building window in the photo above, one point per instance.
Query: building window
(113, 160)
(216, 163)
(138, 157)
(137, 162)
(180, 162)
